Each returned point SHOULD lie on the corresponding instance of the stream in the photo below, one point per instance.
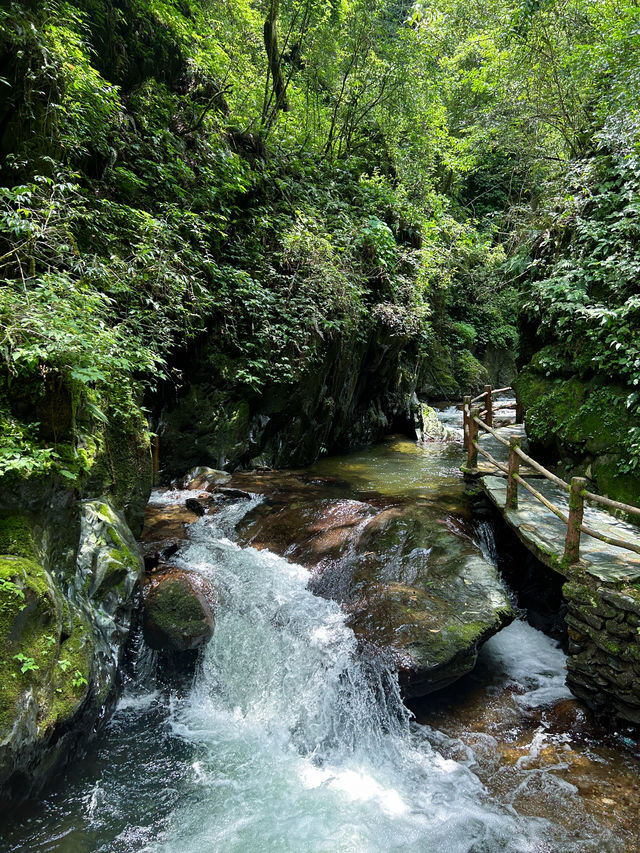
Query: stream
(289, 739)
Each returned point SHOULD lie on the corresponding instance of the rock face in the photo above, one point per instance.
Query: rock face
(356, 392)
(64, 620)
(583, 423)
(178, 611)
(428, 425)
(69, 589)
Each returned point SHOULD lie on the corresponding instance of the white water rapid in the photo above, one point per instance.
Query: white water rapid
(301, 746)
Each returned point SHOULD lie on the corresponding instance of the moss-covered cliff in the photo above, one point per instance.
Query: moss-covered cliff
(584, 424)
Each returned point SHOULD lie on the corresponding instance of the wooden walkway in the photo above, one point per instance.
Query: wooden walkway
(547, 522)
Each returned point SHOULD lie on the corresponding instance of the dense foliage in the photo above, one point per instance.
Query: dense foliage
(283, 175)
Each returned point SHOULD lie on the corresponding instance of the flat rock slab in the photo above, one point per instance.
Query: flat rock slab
(544, 533)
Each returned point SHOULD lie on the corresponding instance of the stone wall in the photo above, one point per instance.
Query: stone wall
(603, 667)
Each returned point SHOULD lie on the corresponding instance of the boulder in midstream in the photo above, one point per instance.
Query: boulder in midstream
(178, 611)
(414, 591)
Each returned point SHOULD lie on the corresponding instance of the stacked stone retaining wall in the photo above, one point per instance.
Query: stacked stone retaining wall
(603, 666)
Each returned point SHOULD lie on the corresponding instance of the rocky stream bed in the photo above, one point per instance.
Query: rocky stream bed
(337, 592)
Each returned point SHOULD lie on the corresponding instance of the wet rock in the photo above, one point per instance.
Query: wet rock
(427, 597)
(232, 494)
(165, 524)
(415, 592)
(194, 506)
(204, 479)
(63, 634)
(170, 549)
(151, 561)
(428, 426)
(178, 611)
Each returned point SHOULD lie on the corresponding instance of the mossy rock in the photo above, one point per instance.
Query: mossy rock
(425, 597)
(531, 386)
(63, 625)
(437, 378)
(609, 480)
(45, 671)
(16, 537)
(178, 612)
(428, 426)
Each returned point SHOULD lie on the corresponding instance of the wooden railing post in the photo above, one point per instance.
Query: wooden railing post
(472, 451)
(576, 511)
(488, 406)
(519, 412)
(514, 468)
(466, 408)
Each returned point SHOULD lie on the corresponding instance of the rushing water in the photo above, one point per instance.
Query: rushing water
(289, 741)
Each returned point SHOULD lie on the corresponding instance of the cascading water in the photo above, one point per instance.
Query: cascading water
(302, 746)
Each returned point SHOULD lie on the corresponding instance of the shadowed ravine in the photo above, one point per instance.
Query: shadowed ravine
(290, 740)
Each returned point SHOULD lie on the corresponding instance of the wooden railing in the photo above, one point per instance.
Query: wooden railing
(475, 418)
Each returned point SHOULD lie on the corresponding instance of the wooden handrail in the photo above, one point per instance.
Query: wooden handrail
(491, 458)
(605, 501)
(491, 430)
(577, 488)
(542, 470)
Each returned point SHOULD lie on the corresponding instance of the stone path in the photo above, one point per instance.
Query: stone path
(544, 534)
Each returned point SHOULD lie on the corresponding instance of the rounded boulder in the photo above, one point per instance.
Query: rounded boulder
(178, 612)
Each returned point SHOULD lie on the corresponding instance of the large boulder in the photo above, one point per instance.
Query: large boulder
(178, 611)
(414, 591)
(426, 597)
(428, 426)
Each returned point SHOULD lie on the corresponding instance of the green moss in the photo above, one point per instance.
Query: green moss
(438, 379)
(468, 632)
(621, 487)
(28, 621)
(70, 675)
(531, 386)
(16, 537)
